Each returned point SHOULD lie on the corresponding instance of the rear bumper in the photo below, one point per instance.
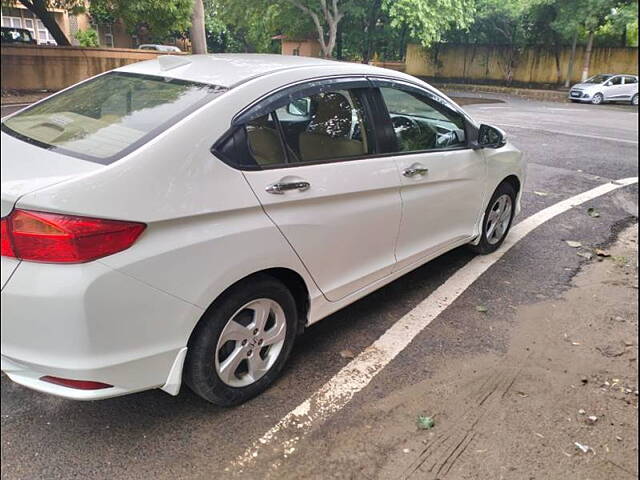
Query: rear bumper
(89, 322)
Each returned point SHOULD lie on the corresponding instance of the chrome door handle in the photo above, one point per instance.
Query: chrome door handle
(280, 188)
(413, 171)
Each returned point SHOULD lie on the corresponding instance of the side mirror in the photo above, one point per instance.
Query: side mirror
(490, 137)
(608, 84)
(300, 107)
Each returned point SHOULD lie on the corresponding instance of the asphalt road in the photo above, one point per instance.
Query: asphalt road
(570, 149)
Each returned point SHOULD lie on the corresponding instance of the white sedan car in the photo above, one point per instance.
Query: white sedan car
(185, 218)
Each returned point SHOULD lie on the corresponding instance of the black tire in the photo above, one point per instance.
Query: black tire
(200, 372)
(634, 100)
(597, 99)
(485, 247)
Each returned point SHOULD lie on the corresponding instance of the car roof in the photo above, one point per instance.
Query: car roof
(228, 70)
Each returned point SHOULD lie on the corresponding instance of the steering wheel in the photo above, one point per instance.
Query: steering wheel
(402, 124)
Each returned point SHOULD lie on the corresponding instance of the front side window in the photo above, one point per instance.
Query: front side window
(108, 116)
(419, 124)
(326, 126)
(598, 79)
(615, 81)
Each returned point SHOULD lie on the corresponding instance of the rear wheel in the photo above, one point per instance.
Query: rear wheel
(597, 99)
(497, 219)
(634, 100)
(241, 344)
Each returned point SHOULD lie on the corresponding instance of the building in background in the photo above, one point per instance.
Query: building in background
(114, 35)
(304, 47)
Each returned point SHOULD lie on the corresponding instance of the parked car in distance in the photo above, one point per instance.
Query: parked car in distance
(606, 87)
(159, 48)
(185, 218)
(17, 36)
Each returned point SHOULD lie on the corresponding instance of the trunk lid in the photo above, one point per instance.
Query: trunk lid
(26, 168)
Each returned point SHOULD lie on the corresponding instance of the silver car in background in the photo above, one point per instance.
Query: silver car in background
(606, 88)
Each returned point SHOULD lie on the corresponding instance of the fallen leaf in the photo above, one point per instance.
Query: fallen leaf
(425, 423)
(573, 244)
(587, 255)
(602, 253)
(347, 354)
(541, 194)
(482, 309)
(593, 212)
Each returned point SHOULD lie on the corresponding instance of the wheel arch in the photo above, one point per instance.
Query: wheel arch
(289, 277)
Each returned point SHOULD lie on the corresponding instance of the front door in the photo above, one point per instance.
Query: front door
(337, 206)
(443, 180)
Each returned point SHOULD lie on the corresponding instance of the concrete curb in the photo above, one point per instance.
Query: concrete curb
(528, 93)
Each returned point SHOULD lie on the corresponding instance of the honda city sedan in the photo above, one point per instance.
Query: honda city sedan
(606, 88)
(184, 219)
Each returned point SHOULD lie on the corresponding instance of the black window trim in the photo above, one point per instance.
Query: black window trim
(375, 111)
(359, 85)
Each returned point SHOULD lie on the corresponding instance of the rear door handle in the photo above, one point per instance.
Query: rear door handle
(280, 188)
(415, 170)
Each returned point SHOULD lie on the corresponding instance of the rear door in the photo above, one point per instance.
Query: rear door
(310, 159)
(443, 180)
(630, 86)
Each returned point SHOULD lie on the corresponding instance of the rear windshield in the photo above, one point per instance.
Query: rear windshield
(109, 116)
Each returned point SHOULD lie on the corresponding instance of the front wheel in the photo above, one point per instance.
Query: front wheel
(497, 219)
(634, 100)
(597, 99)
(241, 344)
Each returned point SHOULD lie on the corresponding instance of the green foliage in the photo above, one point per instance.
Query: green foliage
(156, 19)
(88, 38)
(427, 20)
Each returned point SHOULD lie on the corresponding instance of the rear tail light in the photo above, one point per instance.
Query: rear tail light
(77, 384)
(54, 238)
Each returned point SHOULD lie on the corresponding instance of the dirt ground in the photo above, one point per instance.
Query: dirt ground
(568, 377)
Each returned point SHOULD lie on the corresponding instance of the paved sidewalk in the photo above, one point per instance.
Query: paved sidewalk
(528, 93)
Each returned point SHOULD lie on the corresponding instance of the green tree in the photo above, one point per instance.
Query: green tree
(155, 18)
(88, 38)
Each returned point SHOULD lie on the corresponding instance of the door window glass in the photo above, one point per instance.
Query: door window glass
(264, 141)
(630, 80)
(615, 81)
(326, 126)
(419, 125)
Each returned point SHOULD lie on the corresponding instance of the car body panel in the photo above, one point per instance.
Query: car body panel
(126, 318)
(430, 220)
(344, 227)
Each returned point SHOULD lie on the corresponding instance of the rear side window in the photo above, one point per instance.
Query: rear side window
(421, 125)
(107, 117)
(330, 125)
(630, 80)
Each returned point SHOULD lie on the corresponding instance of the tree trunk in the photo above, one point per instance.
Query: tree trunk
(370, 29)
(198, 36)
(339, 44)
(39, 8)
(587, 57)
(572, 59)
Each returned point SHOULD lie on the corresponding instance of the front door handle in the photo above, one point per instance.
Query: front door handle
(415, 170)
(280, 188)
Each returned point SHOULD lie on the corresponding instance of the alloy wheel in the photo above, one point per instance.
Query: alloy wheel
(499, 219)
(250, 343)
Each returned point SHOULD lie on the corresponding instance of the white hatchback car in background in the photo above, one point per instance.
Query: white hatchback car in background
(184, 218)
(606, 88)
